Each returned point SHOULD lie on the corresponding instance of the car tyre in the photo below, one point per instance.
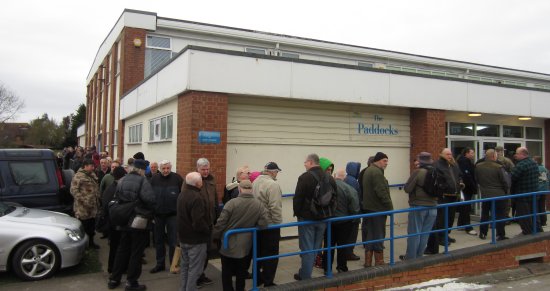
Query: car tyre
(35, 260)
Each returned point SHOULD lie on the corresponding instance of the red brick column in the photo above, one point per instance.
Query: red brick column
(132, 58)
(427, 132)
(202, 111)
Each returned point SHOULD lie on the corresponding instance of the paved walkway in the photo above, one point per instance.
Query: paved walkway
(165, 281)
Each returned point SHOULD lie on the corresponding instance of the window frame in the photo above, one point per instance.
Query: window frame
(133, 130)
(161, 129)
(39, 164)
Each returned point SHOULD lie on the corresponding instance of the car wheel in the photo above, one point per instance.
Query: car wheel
(36, 260)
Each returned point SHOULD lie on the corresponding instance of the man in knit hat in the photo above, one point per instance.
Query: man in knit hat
(376, 198)
(423, 220)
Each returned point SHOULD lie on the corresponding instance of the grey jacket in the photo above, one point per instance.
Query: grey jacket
(417, 195)
(270, 194)
(492, 179)
(241, 212)
(347, 201)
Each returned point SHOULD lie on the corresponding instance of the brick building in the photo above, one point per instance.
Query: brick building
(180, 90)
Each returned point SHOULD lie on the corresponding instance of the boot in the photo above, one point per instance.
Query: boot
(368, 259)
(378, 258)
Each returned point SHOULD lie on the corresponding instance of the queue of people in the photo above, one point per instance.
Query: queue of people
(185, 212)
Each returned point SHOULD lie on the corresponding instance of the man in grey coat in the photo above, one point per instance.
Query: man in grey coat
(494, 182)
(241, 212)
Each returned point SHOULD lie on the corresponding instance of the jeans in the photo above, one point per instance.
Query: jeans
(165, 225)
(419, 221)
(310, 238)
(192, 261)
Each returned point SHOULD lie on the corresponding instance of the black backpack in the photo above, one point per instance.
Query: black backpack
(435, 183)
(323, 202)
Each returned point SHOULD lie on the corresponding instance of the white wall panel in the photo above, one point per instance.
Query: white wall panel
(421, 92)
(338, 84)
(128, 105)
(147, 94)
(540, 104)
(173, 79)
(499, 100)
(239, 75)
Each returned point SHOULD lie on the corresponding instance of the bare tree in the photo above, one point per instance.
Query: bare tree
(10, 104)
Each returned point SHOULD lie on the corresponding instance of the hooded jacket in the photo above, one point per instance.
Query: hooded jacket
(352, 171)
(325, 163)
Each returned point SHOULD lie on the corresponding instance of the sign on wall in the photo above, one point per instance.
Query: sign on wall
(209, 137)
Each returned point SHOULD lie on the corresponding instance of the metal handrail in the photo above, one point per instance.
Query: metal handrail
(400, 186)
(493, 221)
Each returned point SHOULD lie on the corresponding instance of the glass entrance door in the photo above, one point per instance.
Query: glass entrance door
(458, 145)
(510, 148)
(484, 146)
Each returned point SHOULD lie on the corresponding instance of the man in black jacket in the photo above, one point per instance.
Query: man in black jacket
(467, 167)
(133, 187)
(167, 186)
(310, 236)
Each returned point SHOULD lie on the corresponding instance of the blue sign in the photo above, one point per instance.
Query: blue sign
(209, 137)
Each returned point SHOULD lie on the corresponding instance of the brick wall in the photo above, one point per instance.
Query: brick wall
(427, 132)
(132, 58)
(475, 265)
(202, 111)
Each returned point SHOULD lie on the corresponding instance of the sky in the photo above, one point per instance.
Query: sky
(48, 47)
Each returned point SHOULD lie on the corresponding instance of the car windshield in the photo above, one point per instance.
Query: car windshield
(5, 209)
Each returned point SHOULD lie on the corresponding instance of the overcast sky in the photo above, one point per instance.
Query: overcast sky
(47, 47)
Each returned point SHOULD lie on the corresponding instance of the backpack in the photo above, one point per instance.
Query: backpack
(435, 183)
(323, 202)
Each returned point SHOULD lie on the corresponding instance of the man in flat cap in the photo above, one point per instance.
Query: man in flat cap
(269, 193)
(376, 198)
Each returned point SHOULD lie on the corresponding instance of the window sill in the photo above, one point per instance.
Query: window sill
(160, 141)
(133, 143)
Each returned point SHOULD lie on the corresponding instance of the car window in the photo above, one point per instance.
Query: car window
(29, 173)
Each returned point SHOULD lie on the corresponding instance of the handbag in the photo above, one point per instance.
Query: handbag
(120, 212)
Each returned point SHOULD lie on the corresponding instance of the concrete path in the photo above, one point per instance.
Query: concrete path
(165, 281)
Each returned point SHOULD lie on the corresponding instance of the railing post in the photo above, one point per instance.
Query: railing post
(254, 260)
(493, 223)
(446, 224)
(392, 260)
(329, 249)
(535, 213)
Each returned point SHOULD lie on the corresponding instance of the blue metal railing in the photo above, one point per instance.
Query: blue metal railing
(328, 247)
(400, 186)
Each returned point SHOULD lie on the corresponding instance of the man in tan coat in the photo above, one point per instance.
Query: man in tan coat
(85, 190)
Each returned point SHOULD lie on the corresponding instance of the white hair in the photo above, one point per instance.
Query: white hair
(193, 178)
(164, 162)
(202, 162)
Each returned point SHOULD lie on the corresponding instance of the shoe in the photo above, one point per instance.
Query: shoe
(297, 277)
(452, 240)
(269, 285)
(112, 284)
(353, 257)
(471, 232)
(136, 287)
(403, 257)
(342, 269)
(157, 269)
(204, 281)
(482, 236)
(426, 252)
(501, 238)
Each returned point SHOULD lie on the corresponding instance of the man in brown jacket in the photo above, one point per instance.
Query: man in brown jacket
(492, 179)
(208, 192)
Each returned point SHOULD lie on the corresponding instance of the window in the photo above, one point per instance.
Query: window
(290, 55)
(461, 129)
(487, 130)
(535, 148)
(255, 50)
(365, 64)
(512, 131)
(161, 128)
(134, 133)
(29, 173)
(533, 133)
(158, 52)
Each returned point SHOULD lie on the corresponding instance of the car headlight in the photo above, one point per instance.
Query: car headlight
(73, 235)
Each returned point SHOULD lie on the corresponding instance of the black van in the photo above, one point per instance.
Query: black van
(32, 178)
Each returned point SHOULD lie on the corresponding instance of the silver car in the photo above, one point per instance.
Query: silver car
(35, 243)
